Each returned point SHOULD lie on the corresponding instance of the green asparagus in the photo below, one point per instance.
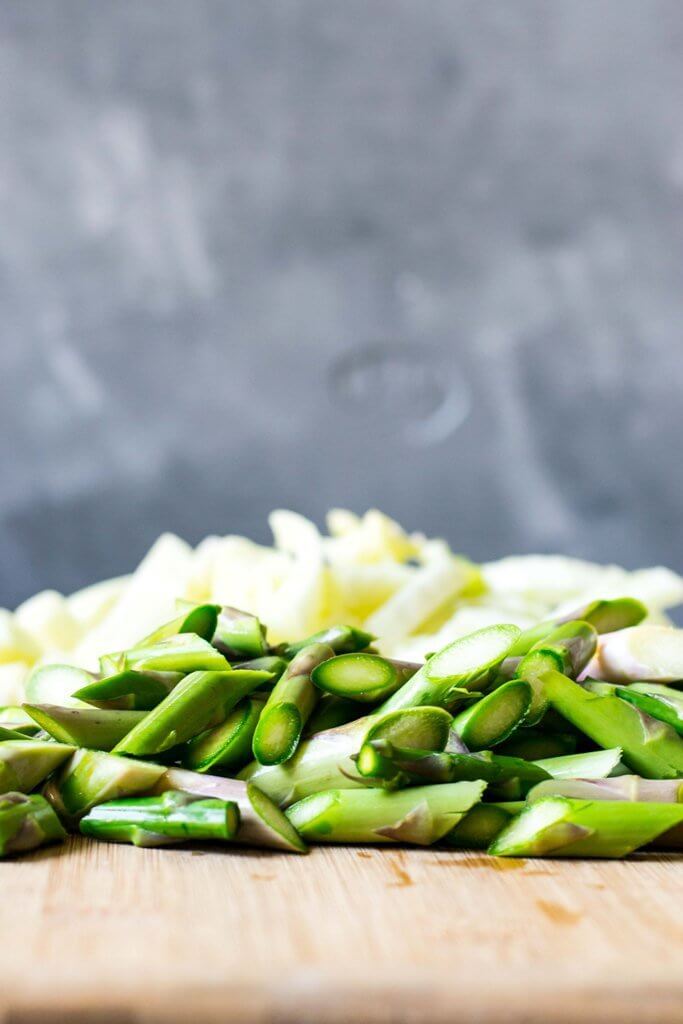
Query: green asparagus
(25, 763)
(331, 712)
(163, 820)
(27, 822)
(239, 635)
(130, 690)
(342, 640)
(495, 717)
(228, 745)
(380, 759)
(366, 678)
(93, 777)
(85, 727)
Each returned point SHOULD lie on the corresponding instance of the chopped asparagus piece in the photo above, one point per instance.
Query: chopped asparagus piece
(646, 653)
(567, 649)
(25, 763)
(228, 746)
(201, 701)
(27, 822)
(16, 718)
(93, 777)
(262, 823)
(185, 652)
(480, 826)
(366, 678)
(622, 787)
(382, 760)
(239, 634)
(130, 690)
(289, 707)
(661, 702)
(495, 717)
(12, 734)
(421, 816)
(650, 748)
(173, 817)
(331, 712)
(271, 663)
(596, 764)
(606, 616)
(560, 827)
(200, 619)
(85, 727)
(56, 684)
(462, 666)
(342, 640)
(325, 760)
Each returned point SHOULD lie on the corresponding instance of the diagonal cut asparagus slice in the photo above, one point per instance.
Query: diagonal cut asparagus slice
(342, 640)
(84, 727)
(568, 649)
(129, 690)
(93, 777)
(173, 817)
(561, 827)
(495, 717)
(201, 701)
(595, 764)
(228, 746)
(27, 822)
(622, 787)
(380, 759)
(57, 684)
(325, 760)
(647, 653)
(200, 619)
(184, 652)
(289, 707)
(606, 616)
(421, 816)
(462, 666)
(661, 702)
(25, 763)
(262, 823)
(367, 678)
(239, 634)
(650, 748)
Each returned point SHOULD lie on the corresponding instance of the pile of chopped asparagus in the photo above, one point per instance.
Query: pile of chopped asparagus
(562, 740)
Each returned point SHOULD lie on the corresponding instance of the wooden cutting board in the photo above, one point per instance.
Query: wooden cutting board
(103, 933)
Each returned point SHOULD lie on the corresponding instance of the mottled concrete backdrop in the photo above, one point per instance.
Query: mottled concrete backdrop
(421, 254)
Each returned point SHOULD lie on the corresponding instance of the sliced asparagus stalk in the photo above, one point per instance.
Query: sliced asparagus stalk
(262, 823)
(15, 718)
(331, 712)
(162, 820)
(495, 717)
(93, 777)
(366, 678)
(382, 760)
(533, 744)
(200, 619)
(480, 826)
(85, 727)
(595, 764)
(271, 663)
(462, 666)
(650, 748)
(25, 763)
(239, 634)
(12, 734)
(185, 652)
(289, 707)
(560, 827)
(130, 690)
(421, 816)
(568, 649)
(622, 787)
(202, 700)
(606, 616)
(325, 760)
(661, 702)
(228, 746)
(342, 640)
(27, 822)
(647, 653)
(56, 684)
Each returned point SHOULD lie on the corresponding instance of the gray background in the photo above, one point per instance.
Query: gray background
(420, 255)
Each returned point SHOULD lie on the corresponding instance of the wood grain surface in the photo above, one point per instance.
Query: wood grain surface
(116, 935)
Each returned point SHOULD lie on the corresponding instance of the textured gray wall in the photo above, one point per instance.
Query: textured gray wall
(424, 255)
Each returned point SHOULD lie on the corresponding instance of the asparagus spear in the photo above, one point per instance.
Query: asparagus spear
(367, 678)
(331, 712)
(201, 701)
(239, 634)
(228, 746)
(606, 616)
(325, 760)
(533, 744)
(342, 640)
(25, 763)
(562, 827)
(185, 652)
(661, 702)
(650, 748)
(652, 653)
(568, 649)
(462, 666)
(163, 820)
(56, 684)
(422, 815)
(382, 760)
(495, 717)
(200, 619)
(130, 690)
(262, 823)
(93, 777)
(27, 822)
(84, 727)
(622, 787)
(289, 707)
(271, 663)
(595, 764)
(481, 825)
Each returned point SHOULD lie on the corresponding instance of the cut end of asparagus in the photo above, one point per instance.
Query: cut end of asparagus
(277, 734)
(495, 717)
(367, 678)
(473, 654)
